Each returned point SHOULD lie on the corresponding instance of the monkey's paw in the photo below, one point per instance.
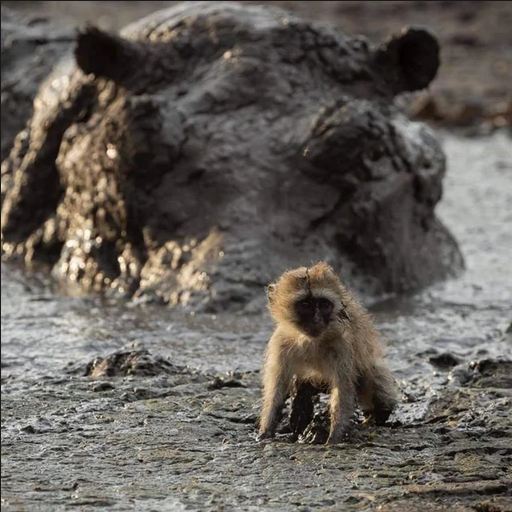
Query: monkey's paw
(265, 435)
(339, 437)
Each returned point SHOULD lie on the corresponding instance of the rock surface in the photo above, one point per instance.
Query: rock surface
(214, 145)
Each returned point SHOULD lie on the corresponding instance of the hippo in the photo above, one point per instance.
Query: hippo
(204, 149)
(30, 47)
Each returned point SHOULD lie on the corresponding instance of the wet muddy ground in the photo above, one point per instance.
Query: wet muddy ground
(133, 407)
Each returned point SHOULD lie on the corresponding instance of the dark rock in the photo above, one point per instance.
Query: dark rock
(212, 145)
(103, 386)
(316, 432)
(136, 362)
(302, 408)
(495, 373)
(444, 361)
(221, 382)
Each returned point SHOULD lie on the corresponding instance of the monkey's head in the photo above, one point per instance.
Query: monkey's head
(309, 299)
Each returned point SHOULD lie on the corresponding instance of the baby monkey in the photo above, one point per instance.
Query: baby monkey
(325, 338)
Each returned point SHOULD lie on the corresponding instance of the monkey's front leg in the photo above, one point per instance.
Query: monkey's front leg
(276, 382)
(341, 408)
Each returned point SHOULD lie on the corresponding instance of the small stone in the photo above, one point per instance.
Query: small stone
(102, 386)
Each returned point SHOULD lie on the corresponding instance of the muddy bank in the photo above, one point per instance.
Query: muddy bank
(169, 422)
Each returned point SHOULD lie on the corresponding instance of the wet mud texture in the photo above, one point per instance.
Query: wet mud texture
(226, 144)
(136, 407)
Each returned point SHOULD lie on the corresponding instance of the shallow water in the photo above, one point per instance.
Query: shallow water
(159, 438)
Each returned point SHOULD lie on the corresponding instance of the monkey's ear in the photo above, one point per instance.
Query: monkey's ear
(270, 289)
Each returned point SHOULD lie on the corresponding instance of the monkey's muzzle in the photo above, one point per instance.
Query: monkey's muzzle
(315, 329)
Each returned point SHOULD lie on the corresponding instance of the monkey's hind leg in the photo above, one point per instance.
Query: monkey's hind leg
(378, 393)
(301, 412)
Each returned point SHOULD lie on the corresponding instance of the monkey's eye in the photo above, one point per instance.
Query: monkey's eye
(325, 305)
(306, 304)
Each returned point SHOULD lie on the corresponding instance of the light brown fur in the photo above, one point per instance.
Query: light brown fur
(346, 356)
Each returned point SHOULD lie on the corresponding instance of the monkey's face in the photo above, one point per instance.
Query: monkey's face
(313, 315)
(309, 299)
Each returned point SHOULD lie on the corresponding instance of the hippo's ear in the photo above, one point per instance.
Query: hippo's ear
(409, 60)
(107, 55)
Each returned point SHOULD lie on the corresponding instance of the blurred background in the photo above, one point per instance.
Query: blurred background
(472, 89)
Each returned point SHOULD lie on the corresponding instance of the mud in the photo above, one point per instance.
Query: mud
(170, 422)
(286, 131)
